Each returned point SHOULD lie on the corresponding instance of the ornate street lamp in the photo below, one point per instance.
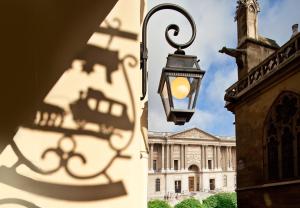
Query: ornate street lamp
(181, 77)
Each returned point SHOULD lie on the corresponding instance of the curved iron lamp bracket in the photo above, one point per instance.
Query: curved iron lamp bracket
(179, 47)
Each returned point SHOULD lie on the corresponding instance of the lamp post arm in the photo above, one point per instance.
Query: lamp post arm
(179, 47)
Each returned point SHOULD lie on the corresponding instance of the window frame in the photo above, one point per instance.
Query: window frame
(157, 185)
(176, 164)
(209, 164)
(273, 132)
(154, 165)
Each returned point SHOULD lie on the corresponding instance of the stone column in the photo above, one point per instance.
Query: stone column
(162, 157)
(234, 158)
(227, 157)
(205, 156)
(202, 158)
(151, 157)
(215, 157)
(219, 157)
(181, 157)
(230, 158)
(171, 156)
(168, 157)
(184, 153)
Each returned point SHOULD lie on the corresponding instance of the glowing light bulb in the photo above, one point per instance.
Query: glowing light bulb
(180, 87)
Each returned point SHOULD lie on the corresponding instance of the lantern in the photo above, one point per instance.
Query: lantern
(180, 79)
(179, 87)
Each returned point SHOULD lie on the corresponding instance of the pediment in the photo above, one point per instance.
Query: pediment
(194, 133)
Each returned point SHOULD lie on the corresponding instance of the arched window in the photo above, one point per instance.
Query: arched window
(282, 134)
(193, 168)
(157, 185)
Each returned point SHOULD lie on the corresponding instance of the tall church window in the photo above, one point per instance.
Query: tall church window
(157, 185)
(282, 138)
(154, 165)
(209, 164)
(175, 164)
(177, 186)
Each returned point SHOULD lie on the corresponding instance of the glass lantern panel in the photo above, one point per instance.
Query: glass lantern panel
(183, 91)
(165, 98)
(195, 83)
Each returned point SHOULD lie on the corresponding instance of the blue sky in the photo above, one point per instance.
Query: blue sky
(215, 28)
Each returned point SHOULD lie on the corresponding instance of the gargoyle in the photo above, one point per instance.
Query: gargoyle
(238, 54)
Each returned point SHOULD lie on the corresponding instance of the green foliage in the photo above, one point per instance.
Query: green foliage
(189, 203)
(210, 202)
(221, 200)
(158, 204)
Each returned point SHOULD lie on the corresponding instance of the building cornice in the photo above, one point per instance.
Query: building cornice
(278, 66)
(184, 141)
(171, 138)
(189, 172)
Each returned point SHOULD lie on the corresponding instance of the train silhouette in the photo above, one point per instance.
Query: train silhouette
(91, 107)
(106, 118)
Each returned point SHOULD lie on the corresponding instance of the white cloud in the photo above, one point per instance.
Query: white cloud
(276, 21)
(223, 78)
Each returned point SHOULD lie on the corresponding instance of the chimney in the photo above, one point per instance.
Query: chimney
(295, 30)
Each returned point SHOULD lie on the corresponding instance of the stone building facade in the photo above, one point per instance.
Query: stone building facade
(190, 161)
(266, 104)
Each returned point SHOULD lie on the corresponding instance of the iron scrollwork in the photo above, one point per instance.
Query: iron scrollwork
(179, 47)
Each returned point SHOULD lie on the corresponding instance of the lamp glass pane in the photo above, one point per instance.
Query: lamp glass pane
(195, 83)
(183, 91)
(165, 98)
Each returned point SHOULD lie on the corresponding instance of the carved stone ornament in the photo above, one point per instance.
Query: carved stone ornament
(247, 4)
(238, 54)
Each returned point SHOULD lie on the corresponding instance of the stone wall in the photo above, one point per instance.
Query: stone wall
(250, 120)
(167, 182)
